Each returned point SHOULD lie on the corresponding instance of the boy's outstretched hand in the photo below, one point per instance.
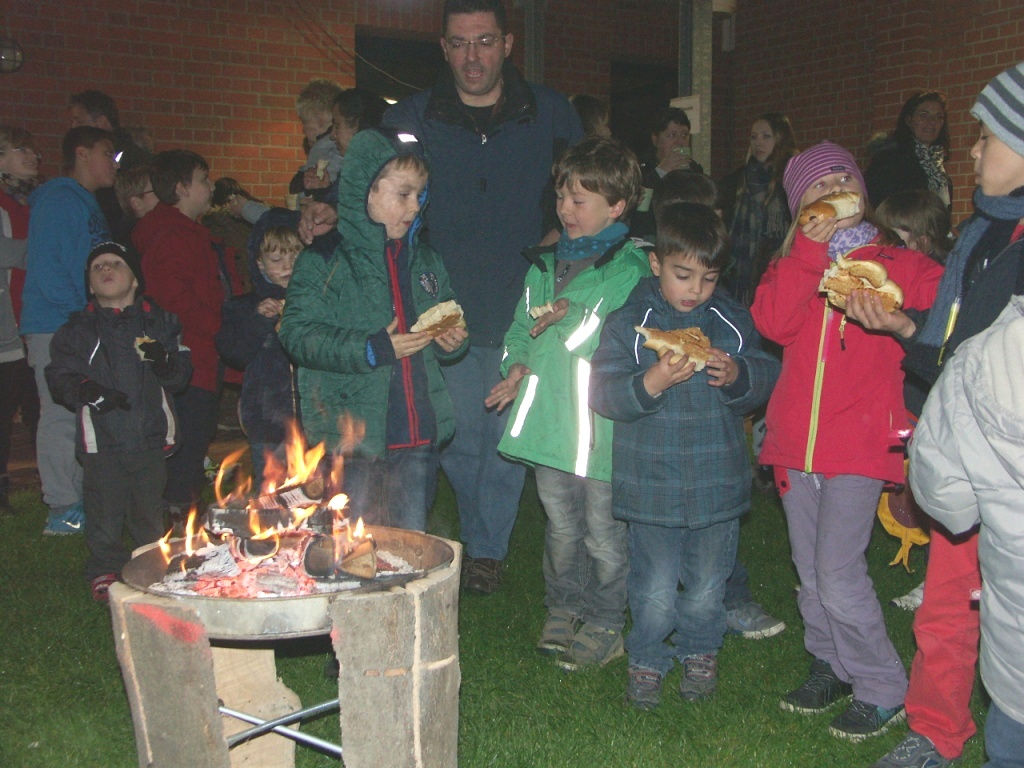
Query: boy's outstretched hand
(558, 311)
(721, 368)
(451, 339)
(664, 374)
(270, 308)
(506, 390)
(406, 344)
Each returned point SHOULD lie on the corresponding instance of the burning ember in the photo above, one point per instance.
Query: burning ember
(286, 541)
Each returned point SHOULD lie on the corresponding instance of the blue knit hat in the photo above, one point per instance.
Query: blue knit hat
(1001, 107)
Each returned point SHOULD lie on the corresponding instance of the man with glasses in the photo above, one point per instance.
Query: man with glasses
(491, 139)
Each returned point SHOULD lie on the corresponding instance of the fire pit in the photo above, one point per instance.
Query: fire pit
(188, 661)
(196, 621)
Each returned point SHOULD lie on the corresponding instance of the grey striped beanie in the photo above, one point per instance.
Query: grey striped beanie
(1001, 107)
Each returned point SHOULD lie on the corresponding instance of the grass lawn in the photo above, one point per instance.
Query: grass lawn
(63, 703)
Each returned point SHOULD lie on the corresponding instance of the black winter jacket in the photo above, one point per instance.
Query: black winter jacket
(98, 344)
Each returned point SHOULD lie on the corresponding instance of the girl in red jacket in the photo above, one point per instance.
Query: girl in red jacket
(833, 426)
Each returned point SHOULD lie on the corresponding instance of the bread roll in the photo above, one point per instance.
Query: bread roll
(838, 205)
(848, 275)
(688, 342)
(439, 318)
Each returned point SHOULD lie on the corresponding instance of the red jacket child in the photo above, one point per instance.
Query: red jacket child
(851, 377)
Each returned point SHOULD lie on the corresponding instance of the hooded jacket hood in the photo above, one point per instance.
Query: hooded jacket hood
(275, 217)
(367, 154)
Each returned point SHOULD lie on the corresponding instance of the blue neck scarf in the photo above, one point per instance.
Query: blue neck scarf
(589, 246)
(988, 211)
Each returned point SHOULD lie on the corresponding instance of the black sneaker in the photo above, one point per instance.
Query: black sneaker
(818, 692)
(861, 720)
(481, 575)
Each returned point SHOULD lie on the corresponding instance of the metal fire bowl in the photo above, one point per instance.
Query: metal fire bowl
(274, 618)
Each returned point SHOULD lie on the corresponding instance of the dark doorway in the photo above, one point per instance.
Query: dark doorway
(638, 92)
(396, 67)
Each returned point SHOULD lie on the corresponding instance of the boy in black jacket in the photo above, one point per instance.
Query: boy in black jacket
(113, 363)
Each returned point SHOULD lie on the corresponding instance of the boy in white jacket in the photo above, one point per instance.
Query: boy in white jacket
(966, 468)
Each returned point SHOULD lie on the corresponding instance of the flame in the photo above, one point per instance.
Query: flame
(352, 431)
(241, 490)
(302, 463)
(359, 529)
(194, 534)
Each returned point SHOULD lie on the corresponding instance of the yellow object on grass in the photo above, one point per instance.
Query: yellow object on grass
(908, 536)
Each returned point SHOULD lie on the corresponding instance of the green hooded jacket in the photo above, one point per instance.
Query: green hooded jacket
(335, 304)
(551, 422)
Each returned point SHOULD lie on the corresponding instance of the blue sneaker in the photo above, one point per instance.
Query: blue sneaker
(66, 523)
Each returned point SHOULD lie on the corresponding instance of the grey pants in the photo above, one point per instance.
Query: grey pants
(586, 557)
(59, 470)
(830, 521)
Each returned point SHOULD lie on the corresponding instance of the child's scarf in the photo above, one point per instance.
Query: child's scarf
(845, 240)
(999, 213)
(589, 246)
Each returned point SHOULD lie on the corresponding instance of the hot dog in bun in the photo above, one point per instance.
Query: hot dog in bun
(848, 275)
(690, 342)
(837, 205)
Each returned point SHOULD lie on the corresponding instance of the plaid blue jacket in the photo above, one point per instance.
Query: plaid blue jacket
(679, 460)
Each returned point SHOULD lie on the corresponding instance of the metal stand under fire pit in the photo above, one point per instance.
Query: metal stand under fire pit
(194, 701)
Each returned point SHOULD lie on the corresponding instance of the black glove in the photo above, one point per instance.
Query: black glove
(101, 399)
(153, 352)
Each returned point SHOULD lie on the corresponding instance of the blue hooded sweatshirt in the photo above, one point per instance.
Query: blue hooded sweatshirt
(66, 222)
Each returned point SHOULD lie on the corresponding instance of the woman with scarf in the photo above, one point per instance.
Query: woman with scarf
(19, 175)
(754, 205)
(914, 155)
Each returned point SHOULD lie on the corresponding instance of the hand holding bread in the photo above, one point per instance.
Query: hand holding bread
(847, 275)
(682, 342)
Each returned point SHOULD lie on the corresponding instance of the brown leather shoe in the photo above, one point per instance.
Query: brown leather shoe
(481, 575)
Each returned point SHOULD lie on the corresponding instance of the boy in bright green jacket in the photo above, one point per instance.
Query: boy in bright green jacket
(569, 290)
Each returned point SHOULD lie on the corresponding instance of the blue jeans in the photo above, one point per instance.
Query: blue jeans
(585, 553)
(487, 487)
(660, 559)
(1004, 740)
(396, 489)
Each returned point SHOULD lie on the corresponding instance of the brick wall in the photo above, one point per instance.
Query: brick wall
(846, 78)
(221, 77)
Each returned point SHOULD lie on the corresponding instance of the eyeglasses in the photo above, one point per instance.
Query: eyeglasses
(484, 42)
(937, 117)
(145, 192)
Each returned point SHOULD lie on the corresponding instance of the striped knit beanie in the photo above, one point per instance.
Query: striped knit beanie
(1001, 107)
(807, 167)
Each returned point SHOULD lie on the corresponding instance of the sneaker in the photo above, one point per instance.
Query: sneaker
(66, 523)
(558, 632)
(593, 646)
(818, 692)
(700, 676)
(915, 751)
(643, 690)
(910, 601)
(753, 622)
(481, 575)
(100, 587)
(861, 720)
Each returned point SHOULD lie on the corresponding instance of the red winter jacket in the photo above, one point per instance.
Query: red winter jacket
(187, 277)
(839, 399)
